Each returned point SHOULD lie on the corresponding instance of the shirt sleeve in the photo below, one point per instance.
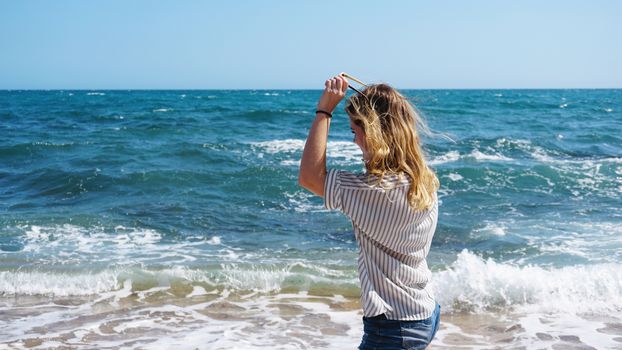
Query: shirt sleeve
(332, 190)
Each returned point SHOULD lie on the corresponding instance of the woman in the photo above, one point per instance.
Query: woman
(393, 207)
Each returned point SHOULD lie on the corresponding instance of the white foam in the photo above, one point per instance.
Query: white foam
(70, 245)
(448, 157)
(291, 162)
(281, 146)
(490, 228)
(454, 177)
(518, 143)
(476, 154)
(290, 111)
(95, 93)
(214, 240)
(301, 201)
(197, 291)
(341, 152)
(476, 284)
(254, 278)
(348, 151)
(597, 242)
(590, 178)
(259, 324)
(57, 284)
(234, 276)
(259, 321)
(162, 110)
(76, 239)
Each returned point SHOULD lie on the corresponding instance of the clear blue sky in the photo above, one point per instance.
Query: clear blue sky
(297, 44)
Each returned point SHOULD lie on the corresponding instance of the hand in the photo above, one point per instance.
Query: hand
(334, 92)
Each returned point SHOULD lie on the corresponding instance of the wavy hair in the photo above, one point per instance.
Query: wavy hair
(392, 141)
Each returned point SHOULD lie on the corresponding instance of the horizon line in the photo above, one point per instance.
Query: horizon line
(296, 89)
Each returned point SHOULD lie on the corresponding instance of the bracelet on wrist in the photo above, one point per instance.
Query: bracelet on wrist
(320, 111)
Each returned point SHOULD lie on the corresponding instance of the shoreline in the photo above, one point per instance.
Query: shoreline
(157, 319)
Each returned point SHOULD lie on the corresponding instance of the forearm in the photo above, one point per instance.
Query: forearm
(313, 163)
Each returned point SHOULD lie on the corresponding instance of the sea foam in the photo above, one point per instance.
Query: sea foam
(475, 284)
(56, 284)
(342, 152)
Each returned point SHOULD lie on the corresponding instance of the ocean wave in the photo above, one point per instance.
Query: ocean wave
(280, 146)
(292, 275)
(73, 245)
(490, 228)
(546, 155)
(255, 278)
(476, 154)
(57, 284)
(240, 277)
(595, 242)
(455, 177)
(52, 183)
(68, 239)
(471, 283)
(300, 201)
(532, 167)
(344, 152)
(61, 252)
(448, 157)
(58, 184)
(474, 284)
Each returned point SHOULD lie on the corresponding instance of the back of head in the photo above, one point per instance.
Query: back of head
(392, 142)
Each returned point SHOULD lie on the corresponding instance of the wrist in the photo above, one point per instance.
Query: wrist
(323, 112)
(324, 107)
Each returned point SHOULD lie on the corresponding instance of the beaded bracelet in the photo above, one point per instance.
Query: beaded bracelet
(324, 112)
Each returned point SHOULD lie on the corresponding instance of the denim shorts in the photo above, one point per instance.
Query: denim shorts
(383, 334)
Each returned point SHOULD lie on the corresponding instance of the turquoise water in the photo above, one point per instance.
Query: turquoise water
(199, 188)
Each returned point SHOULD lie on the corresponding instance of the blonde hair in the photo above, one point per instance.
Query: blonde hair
(392, 142)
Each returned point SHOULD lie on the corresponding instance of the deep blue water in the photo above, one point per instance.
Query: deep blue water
(206, 181)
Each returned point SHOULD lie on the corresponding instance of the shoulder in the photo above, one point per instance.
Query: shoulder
(349, 178)
(363, 180)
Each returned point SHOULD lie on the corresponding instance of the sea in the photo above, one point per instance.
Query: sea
(160, 219)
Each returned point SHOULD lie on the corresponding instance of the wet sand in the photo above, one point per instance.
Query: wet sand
(197, 319)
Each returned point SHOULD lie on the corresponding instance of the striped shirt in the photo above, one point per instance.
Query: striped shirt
(393, 240)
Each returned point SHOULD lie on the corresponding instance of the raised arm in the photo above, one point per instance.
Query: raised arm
(313, 164)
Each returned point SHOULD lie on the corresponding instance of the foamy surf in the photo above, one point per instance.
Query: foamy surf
(475, 284)
(156, 318)
(339, 152)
